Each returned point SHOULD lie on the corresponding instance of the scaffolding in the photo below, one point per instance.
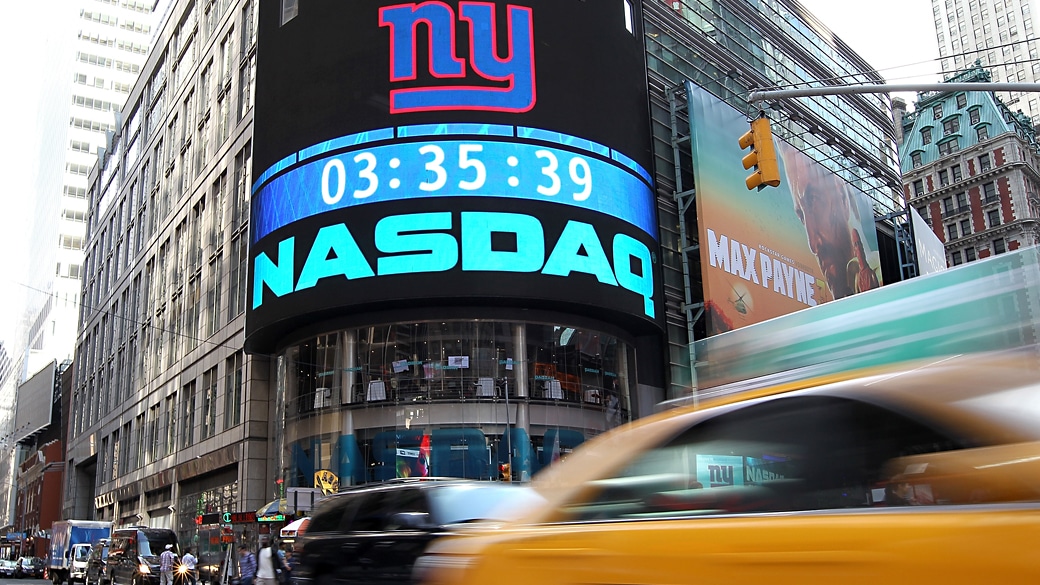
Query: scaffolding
(685, 199)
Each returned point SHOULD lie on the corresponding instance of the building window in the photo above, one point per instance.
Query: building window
(947, 205)
(926, 136)
(993, 217)
(984, 164)
(951, 126)
(289, 10)
(937, 112)
(918, 188)
(955, 170)
(962, 201)
(998, 246)
(948, 147)
(944, 178)
(969, 254)
(982, 132)
(989, 192)
(962, 100)
(951, 232)
(209, 403)
(955, 258)
(915, 159)
(234, 381)
(973, 115)
(965, 227)
(187, 415)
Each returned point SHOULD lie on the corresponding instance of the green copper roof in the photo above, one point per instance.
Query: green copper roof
(941, 117)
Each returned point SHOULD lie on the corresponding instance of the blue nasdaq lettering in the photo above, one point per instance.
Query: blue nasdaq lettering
(422, 242)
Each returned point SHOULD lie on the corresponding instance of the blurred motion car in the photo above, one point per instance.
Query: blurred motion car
(29, 568)
(97, 564)
(373, 534)
(922, 473)
(208, 567)
(8, 568)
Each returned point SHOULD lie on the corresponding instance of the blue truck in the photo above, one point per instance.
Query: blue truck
(70, 547)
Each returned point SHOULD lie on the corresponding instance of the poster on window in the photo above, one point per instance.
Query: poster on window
(458, 361)
(720, 470)
(414, 462)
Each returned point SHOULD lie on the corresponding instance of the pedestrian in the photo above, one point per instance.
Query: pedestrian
(189, 561)
(166, 561)
(267, 561)
(284, 554)
(246, 566)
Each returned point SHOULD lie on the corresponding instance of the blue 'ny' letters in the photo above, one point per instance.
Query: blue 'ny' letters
(516, 70)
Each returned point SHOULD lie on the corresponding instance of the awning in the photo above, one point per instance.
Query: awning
(295, 528)
(273, 511)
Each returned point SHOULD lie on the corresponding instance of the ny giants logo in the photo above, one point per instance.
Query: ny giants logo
(516, 69)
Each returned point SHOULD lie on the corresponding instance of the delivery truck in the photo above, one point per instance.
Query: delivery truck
(70, 548)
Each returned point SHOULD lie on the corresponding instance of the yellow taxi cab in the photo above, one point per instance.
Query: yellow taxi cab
(926, 473)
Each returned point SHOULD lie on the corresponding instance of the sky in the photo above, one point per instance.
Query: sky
(23, 35)
(895, 36)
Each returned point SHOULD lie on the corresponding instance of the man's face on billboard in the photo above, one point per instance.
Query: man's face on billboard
(823, 208)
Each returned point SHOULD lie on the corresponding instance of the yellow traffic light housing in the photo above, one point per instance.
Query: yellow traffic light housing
(762, 155)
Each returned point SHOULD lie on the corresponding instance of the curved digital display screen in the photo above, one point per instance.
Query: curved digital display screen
(447, 168)
(421, 153)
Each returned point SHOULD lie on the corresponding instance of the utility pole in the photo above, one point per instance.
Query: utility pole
(775, 94)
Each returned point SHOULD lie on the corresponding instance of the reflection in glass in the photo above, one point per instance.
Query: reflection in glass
(476, 399)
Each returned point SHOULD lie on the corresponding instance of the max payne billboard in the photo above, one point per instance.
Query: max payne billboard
(439, 153)
(772, 252)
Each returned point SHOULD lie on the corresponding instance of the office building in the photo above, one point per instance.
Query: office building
(104, 59)
(92, 52)
(997, 34)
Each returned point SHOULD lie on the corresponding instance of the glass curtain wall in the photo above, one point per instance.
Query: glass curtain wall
(476, 399)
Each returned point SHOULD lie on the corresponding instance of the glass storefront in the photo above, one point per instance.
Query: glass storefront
(199, 524)
(475, 398)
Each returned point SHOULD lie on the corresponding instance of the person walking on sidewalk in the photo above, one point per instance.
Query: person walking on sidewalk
(189, 561)
(267, 565)
(166, 562)
(246, 566)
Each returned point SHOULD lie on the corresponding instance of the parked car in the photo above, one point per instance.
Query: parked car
(97, 565)
(30, 568)
(133, 554)
(374, 534)
(8, 568)
(922, 473)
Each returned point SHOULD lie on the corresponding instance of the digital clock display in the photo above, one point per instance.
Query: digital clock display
(426, 154)
(399, 171)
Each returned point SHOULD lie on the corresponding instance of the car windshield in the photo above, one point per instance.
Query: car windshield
(1018, 407)
(1001, 389)
(10, 563)
(82, 553)
(152, 544)
(456, 504)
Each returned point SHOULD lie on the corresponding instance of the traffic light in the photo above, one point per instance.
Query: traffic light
(504, 472)
(762, 156)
